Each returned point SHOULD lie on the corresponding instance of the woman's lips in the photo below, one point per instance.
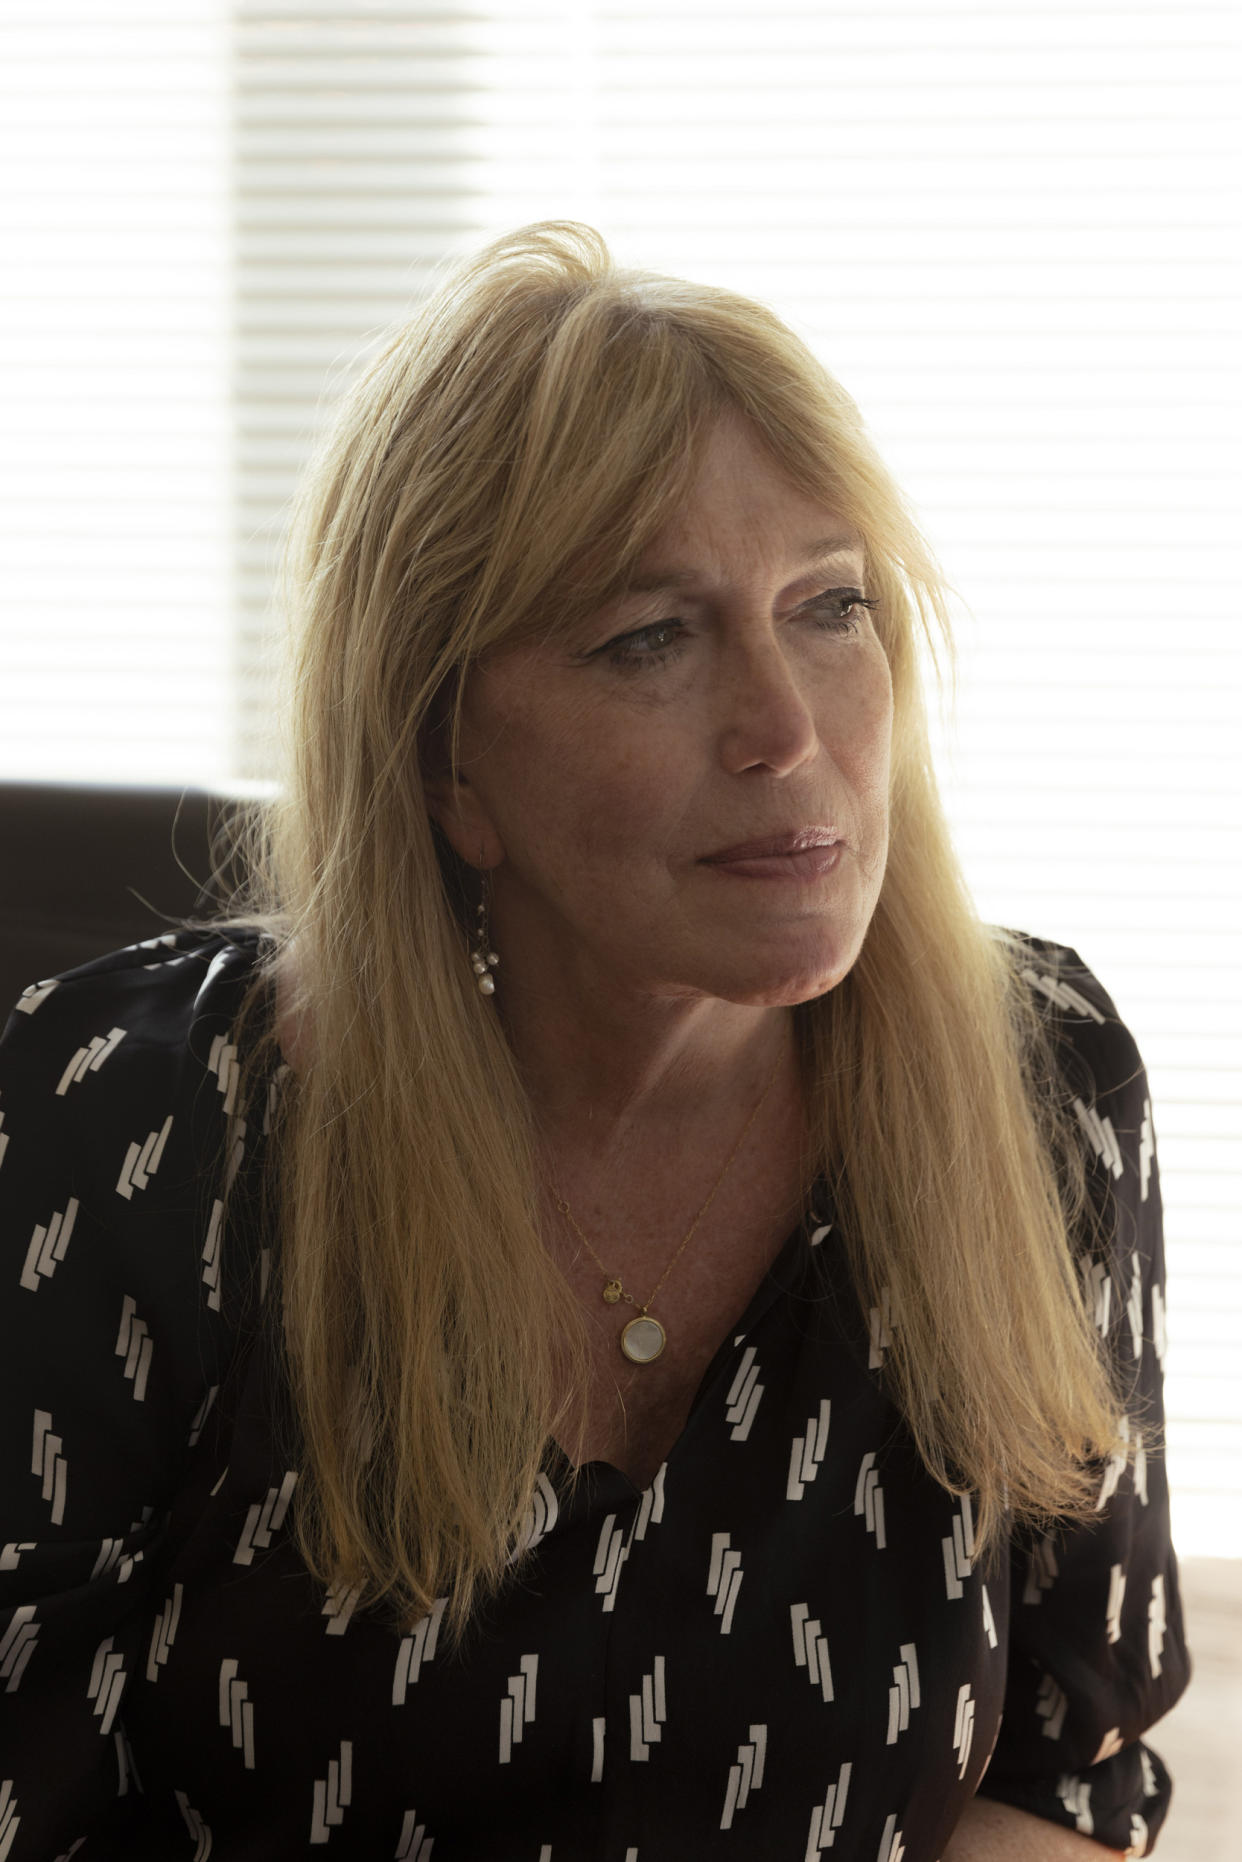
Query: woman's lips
(785, 840)
(810, 863)
(806, 854)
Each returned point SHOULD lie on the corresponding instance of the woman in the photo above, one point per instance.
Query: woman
(607, 1073)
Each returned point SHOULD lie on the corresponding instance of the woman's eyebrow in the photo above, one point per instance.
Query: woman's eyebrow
(652, 580)
(827, 549)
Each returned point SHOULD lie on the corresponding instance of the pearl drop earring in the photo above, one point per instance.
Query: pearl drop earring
(482, 959)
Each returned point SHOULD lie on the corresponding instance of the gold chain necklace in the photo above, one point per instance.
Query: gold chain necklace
(644, 1338)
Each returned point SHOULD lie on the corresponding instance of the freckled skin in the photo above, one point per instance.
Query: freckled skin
(592, 788)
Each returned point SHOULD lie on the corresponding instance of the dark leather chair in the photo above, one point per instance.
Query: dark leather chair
(86, 869)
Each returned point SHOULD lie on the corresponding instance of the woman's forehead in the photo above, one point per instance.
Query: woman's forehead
(738, 483)
(654, 576)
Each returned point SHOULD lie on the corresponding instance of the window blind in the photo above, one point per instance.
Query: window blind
(1009, 231)
(116, 655)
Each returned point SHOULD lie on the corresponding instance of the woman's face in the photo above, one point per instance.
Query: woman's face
(734, 702)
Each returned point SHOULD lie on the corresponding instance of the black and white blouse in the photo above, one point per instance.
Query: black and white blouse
(784, 1648)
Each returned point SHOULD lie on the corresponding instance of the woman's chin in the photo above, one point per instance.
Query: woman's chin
(784, 986)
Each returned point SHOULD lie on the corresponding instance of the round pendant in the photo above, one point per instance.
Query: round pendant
(642, 1340)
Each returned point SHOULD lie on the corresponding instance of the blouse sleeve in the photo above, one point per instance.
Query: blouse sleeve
(116, 1088)
(1097, 1651)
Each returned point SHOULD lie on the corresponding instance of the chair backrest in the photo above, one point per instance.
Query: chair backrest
(85, 869)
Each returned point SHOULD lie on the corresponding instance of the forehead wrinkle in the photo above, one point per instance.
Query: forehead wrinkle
(815, 555)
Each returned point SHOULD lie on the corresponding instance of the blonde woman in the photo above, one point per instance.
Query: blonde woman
(604, 1315)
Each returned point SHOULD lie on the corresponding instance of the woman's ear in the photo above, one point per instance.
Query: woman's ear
(459, 812)
(453, 803)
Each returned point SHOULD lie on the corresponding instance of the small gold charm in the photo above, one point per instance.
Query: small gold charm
(612, 1292)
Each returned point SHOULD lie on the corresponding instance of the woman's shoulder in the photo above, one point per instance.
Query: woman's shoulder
(124, 1282)
(1102, 1083)
(1096, 1045)
(1056, 972)
(172, 995)
(118, 1084)
(153, 976)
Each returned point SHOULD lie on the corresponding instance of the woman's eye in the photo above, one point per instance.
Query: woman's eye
(646, 646)
(842, 609)
(837, 610)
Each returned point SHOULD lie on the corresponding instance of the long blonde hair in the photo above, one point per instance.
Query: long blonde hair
(499, 468)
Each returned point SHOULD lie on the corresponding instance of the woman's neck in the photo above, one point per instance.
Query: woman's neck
(604, 1077)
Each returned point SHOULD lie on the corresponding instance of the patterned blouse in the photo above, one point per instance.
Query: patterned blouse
(784, 1648)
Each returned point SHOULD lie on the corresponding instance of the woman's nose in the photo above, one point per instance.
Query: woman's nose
(767, 721)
